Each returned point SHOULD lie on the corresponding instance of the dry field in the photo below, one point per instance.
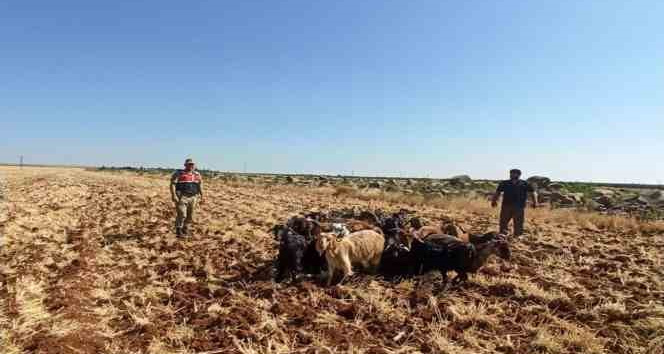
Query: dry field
(89, 265)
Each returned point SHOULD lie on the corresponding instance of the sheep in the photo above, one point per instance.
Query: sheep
(363, 247)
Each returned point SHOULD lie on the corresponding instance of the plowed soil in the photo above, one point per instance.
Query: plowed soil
(89, 264)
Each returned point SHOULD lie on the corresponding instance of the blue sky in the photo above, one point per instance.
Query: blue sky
(569, 89)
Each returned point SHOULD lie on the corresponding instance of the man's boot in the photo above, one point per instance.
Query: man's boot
(185, 231)
(178, 231)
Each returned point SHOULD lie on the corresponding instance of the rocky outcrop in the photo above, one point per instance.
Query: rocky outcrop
(461, 179)
(539, 181)
(375, 184)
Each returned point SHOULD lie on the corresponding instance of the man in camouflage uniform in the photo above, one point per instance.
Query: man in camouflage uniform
(186, 192)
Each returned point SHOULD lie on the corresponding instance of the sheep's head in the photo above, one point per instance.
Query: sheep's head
(324, 242)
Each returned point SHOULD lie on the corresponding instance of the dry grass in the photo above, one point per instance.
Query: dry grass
(89, 265)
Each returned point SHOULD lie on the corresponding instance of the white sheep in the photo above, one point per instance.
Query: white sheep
(362, 247)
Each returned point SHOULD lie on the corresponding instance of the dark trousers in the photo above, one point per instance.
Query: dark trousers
(511, 212)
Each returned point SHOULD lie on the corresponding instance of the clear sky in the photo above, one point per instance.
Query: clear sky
(573, 90)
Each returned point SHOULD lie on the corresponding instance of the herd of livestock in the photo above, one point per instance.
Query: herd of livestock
(395, 245)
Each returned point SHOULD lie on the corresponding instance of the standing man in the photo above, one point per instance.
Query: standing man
(186, 192)
(515, 194)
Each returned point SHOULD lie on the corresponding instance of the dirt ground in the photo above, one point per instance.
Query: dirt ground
(89, 264)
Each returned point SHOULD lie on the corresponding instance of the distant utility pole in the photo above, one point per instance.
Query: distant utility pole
(21, 161)
(244, 167)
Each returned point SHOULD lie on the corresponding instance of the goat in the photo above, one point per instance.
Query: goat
(426, 256)
(319, 216)
(340, 230)
(460, 258)
(358, 225)
(362, 247)
(416, 223)
(292, 248)
(296, 254)
(477, 239)
(425, 231)
(304, 226)
(370, 217)
(451, 228)
(392, 228)
(394, 260)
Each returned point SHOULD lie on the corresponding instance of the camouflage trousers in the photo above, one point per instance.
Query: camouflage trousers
(184, 211)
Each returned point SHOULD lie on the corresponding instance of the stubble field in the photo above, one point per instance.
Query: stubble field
(89, 264)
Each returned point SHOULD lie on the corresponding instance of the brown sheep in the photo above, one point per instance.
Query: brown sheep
(363, 247)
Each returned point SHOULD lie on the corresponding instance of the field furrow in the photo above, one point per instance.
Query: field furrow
(90, 264)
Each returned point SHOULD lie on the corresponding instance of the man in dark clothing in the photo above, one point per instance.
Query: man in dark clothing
(515, 194)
